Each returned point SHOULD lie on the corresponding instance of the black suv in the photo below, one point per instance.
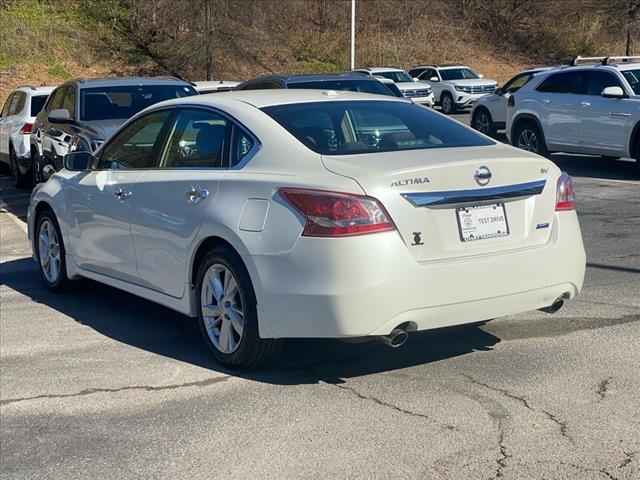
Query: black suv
(81, 114)
(340, 81)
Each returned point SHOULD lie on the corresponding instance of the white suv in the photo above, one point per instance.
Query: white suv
(418, 92)
(582, 108)
(16, 122)
(455, 87)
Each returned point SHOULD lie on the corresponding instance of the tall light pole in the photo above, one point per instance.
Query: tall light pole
(353, 34)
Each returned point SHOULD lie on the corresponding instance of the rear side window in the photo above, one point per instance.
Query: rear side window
(355, 127)
(599, 80)
(566, 82)
(198, 141)
(7, 104)
(37, 102)
(19, 103)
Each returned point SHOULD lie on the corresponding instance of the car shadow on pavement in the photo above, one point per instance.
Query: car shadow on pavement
(142, 324)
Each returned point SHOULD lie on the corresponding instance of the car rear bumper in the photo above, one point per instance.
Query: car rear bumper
(368, 285)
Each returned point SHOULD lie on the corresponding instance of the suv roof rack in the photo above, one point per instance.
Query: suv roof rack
(609, 60)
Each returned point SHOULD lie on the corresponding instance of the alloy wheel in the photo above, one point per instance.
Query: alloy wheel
(447, 104)
(483, 124)
(222, 309)
(49, 251)
(528, 140)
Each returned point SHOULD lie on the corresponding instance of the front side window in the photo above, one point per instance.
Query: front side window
(458, 74)
(199, 140)
(355, 127)
(633, 77)
(364, 86)
(398, 77)
(7, 105)
(566, 82)
(516, 83)
(111, 103)
(597, 81)
(69, 101)
(428, 75)
(37, 102)
(139, 145)
(55, 100)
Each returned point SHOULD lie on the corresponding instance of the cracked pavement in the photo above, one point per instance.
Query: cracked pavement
(100, 384)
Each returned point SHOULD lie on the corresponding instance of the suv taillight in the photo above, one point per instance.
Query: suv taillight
(26, 128)
(565, 194)
(332, 214)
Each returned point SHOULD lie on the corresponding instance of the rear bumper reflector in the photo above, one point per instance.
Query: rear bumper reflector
(475, 196)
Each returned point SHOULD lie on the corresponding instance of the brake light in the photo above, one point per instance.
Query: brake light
(331, 214)
(565, 194)
(26, 128)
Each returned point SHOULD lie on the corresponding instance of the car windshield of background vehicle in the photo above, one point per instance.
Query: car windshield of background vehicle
(517, 83)
(398, 77)
(364, 86)
(633, 77)
(458, 74)
(37, 102)
(354, 127)
(123, 102)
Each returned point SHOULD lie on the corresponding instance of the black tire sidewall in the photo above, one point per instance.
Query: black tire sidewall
(542, 144)
(246, 352)
(453, 107)
(482, 110)
(63, 280)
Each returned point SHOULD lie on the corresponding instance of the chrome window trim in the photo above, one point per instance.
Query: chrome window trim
(475, 196)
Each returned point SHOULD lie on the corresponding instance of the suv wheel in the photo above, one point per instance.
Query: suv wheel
(529, 137)
(483, 122)
(447, 104)
(22, 181)
(228, 317)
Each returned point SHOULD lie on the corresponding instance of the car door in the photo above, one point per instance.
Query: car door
(607, 121)
(436, 85)
(171, 202)
(560, 109)
(100, 200)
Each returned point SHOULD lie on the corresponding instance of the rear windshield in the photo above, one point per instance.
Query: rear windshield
(364, 86)
(123, 102)
(353, 127)
(37, 102)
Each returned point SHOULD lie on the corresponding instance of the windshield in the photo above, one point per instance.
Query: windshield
(633, 77)
(364, 86)
(458, 74)
(399, 77)
(354, 127)
(123, 102)
(37, 102)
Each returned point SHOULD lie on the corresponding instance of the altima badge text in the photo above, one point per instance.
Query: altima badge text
(411, 181)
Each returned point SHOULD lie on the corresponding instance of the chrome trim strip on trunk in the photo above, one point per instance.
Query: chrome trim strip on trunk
(458, 197)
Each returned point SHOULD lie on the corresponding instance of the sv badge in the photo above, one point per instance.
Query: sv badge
(417, 239)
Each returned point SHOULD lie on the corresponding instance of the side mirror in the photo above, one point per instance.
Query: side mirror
(480, 75)
(416, 79)
(613, 92)
(499, 91)
(434, 79)
(60, 115)
(78, 161)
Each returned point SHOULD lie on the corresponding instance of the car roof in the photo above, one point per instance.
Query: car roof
(126, 81)
(272, 97)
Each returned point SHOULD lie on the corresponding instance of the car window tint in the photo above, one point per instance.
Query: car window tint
(517, 83)
(7, 104)
(19, 103)
(199, 140)
(597, 81)
(138, 145)
(354, 127)
(241, 146)
(566, 82)
(633, 77)
(37, 102)
(56, 99)
(69, 101)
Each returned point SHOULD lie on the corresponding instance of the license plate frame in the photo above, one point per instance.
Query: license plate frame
(471, 229)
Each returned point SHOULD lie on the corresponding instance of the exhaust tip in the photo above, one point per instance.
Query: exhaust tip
(557, 304)
(397, 338)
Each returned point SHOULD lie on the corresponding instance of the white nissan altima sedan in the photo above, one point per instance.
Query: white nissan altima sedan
(279, 214)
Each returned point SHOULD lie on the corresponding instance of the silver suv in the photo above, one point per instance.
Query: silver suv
(16, 123)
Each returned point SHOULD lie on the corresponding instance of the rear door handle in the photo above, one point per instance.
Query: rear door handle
(121, 194)
(546, 101)
(195, 194)
(585, 104)
(619, 114)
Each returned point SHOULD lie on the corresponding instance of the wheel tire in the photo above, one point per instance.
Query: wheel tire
(447, 104)
(48, 230)
(35, 171)
(22, 181)
(234, 348)
(529, 137)
(483, 122)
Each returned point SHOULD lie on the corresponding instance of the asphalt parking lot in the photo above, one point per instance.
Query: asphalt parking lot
(101, 384)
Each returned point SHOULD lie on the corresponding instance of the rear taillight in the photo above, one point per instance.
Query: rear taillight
(26, 128)
(565, 194)
(331, 214)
